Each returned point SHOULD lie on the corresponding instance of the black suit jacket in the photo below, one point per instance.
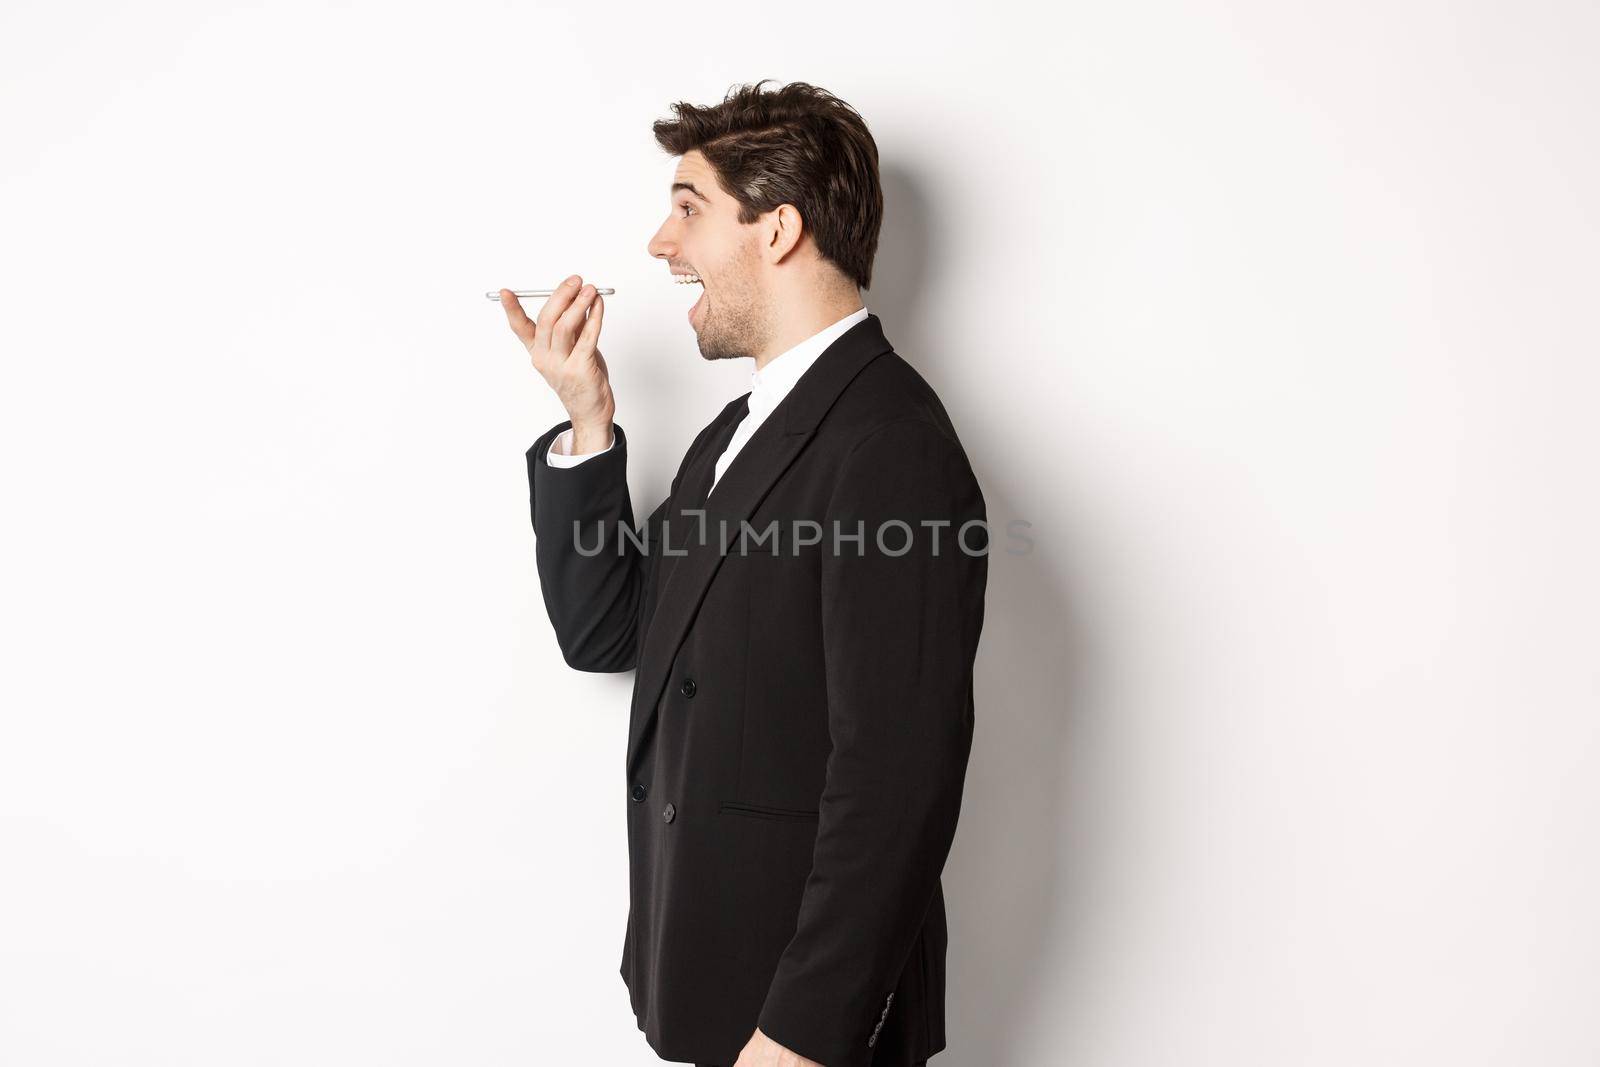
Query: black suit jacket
(802, 713)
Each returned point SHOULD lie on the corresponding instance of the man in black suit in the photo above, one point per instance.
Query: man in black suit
(803, 611)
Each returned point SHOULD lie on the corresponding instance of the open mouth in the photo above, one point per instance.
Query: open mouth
(692, 279)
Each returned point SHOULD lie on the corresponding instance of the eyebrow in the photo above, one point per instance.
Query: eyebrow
(690, 188)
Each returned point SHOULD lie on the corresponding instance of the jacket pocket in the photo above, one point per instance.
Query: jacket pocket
(762, 811)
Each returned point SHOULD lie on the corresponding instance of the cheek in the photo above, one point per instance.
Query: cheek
(736, 262)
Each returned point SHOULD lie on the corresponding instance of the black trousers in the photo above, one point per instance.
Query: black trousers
(920, 1063)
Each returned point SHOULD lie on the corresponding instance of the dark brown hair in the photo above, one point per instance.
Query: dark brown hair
(797, 145)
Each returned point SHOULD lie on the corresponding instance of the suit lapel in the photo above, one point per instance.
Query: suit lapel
(764, 457)
(694, 487)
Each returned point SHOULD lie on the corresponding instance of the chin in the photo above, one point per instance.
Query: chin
(712, 348)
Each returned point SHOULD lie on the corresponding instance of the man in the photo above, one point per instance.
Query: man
(803, 611)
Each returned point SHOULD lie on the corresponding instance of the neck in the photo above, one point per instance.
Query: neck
(799, 319)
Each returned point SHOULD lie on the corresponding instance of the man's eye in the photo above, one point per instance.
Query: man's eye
(685, 208)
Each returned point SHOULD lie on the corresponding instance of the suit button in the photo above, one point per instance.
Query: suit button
(669, 813)
(637, 792)
(688, 687)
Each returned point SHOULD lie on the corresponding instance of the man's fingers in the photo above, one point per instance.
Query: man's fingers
(571, 321)
(589, 336)
(556, 305)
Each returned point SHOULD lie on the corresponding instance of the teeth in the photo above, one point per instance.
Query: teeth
(686, 279)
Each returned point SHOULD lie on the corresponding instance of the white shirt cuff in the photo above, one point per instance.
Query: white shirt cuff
(559, 454)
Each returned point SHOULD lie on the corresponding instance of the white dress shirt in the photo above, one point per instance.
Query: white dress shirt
(768, 386)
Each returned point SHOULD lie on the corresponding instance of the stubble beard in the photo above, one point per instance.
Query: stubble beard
(734, 324)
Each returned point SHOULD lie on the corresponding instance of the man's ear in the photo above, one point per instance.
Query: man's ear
(784, 236)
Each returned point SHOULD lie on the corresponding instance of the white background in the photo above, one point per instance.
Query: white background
(1276, 320)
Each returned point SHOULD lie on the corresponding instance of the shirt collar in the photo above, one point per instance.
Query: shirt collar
(772, 382)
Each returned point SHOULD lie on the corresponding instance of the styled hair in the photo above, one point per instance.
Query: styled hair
(797, 145)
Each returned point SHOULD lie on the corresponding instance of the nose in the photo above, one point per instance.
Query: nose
(663, 245)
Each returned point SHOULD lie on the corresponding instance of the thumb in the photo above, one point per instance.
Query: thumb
(521, 325)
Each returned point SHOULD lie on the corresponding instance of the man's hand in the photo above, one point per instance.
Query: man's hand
(762, 1051)
(564, 343)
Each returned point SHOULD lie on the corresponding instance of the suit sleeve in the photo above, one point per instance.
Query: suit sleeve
(900, 633)
(593, 565)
